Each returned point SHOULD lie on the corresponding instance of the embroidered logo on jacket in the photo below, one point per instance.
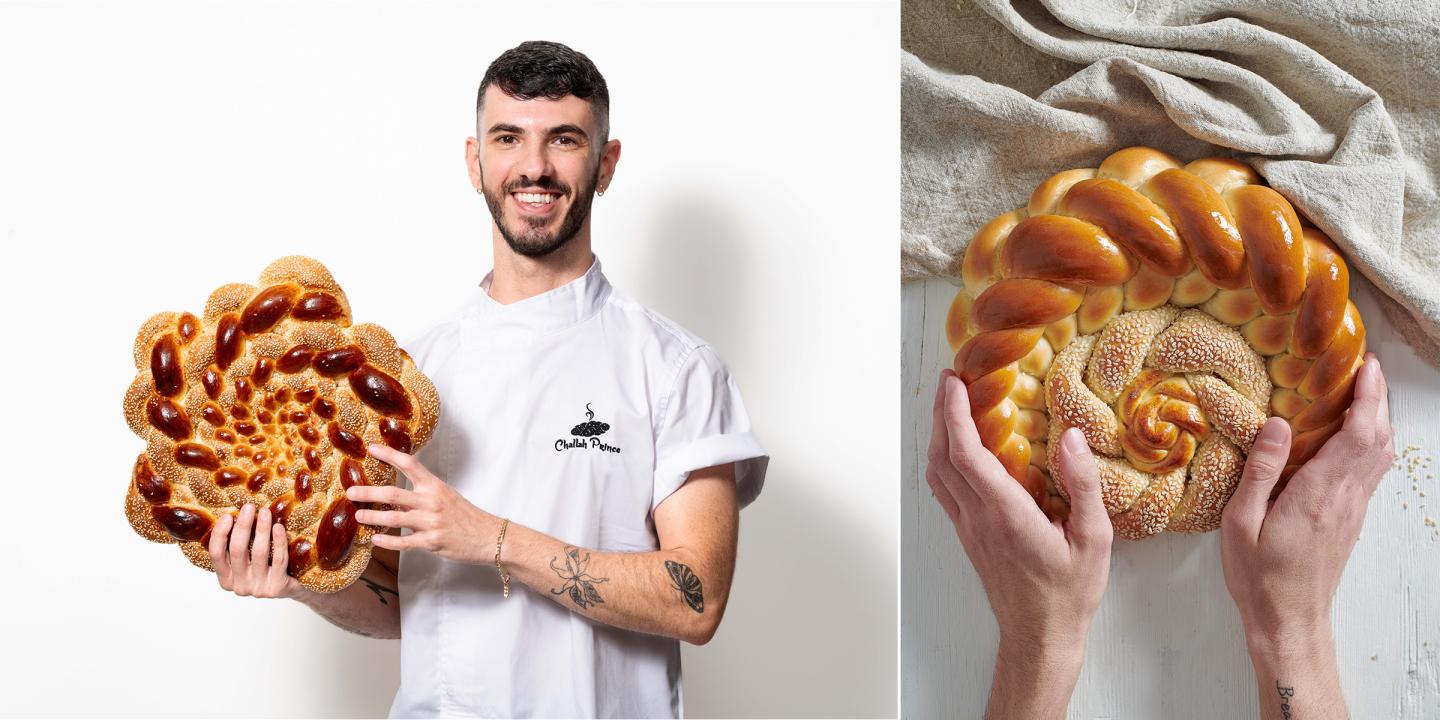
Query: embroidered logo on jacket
(587, 435)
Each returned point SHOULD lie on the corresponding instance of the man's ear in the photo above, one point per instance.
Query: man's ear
(472, 161)
(609, 158)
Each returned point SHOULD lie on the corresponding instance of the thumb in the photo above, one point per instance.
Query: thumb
(1246, 510)
(1089, 523)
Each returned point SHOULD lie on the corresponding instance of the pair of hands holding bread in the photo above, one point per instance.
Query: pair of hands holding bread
(1282, 558)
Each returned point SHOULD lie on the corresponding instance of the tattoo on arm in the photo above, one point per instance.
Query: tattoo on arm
(579, 584)
(1287, 698)
(688, 583)
(379, 590)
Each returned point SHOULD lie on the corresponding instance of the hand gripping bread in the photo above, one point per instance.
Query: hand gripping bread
(270, 398)
(1166, 312)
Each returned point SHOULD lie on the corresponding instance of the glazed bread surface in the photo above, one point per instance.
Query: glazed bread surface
(270, 397)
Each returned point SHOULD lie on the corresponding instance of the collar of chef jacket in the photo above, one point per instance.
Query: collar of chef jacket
(551, 311)
(553, 412)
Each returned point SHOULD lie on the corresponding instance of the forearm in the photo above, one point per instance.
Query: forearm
(369, 607)
(1034, 679)
(678, 592)
(1296, 675)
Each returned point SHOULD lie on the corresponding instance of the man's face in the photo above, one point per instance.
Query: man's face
(538, 167)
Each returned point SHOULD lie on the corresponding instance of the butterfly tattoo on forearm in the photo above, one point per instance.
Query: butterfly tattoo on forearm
(688, 583)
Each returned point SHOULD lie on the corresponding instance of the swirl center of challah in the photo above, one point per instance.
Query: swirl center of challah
(1166, 398)
(1162, 423)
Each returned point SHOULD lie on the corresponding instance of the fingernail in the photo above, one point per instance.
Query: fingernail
(1074, 442)
(1271, 433)
(951, 384)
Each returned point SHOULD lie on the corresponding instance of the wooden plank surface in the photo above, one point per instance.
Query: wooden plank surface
(1167, 641)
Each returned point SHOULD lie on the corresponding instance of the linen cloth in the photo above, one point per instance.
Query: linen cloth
(575, 413)
(1334, 104)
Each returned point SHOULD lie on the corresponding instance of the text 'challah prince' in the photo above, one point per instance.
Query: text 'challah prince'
(270, 397)
(1166, 312)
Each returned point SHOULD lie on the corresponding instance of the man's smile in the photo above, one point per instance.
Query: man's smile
(535, 203)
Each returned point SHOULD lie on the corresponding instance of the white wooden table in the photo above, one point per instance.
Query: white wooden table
(1167, 642)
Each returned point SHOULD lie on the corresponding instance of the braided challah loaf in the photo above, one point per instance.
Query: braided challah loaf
(270, 398)
(1165, 311)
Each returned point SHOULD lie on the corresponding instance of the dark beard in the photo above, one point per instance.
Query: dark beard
(530, 240)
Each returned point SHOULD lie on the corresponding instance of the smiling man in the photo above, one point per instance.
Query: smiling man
(575, 514)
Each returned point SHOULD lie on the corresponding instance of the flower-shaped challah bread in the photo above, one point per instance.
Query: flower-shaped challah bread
(1166, 312)
(270, 398)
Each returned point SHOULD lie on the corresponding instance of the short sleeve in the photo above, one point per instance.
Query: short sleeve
(703, 423)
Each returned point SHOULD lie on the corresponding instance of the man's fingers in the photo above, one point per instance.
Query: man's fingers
(240, 537)
(219, 547)
(388, 494)
(386, 518)
(939, 438)
(1384, 394)
(260, 548)
(1384, 433)
(942, 472)
(405, 463)
(1246, 510)
(1089, 523)
(279, 555)
(1364, 414)
(942, 494)
(392, 542)
(1356, 449)
(977, 466)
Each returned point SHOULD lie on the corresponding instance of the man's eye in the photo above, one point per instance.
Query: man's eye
(507, 140)
(565, 140)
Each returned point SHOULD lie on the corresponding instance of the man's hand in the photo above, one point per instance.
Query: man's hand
(440, 520)
(253, 567)
(1044, 579)
(1283, 558)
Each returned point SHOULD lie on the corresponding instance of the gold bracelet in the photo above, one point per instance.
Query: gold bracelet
(504, 577)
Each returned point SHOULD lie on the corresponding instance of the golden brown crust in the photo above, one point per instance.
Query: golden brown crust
(269, 397)
(1168, 311)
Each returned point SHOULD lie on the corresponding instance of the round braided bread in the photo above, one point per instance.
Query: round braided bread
(1165, 311)
(270, 398)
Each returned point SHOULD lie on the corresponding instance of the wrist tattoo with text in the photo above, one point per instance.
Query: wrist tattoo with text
(578, 583)
(688, 583)
(1287, 695)
(379, 590)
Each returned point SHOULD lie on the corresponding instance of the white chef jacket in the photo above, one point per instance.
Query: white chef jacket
(574, 412)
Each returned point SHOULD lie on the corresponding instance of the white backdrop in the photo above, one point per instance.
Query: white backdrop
(152, 151)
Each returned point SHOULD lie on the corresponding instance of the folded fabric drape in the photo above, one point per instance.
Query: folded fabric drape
(1334, 105)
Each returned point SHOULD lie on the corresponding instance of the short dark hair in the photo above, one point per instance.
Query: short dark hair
(540, 68)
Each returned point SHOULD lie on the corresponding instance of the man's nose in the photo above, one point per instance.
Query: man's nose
(535, 163)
